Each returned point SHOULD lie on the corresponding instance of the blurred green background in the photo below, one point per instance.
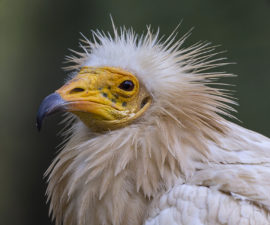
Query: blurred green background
(35, 36)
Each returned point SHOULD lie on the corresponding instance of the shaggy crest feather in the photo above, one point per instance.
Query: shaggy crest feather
(116, 176)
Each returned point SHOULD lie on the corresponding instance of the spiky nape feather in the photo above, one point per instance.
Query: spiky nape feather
(116, 177)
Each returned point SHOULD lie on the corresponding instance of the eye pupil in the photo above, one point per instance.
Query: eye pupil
(127, 85)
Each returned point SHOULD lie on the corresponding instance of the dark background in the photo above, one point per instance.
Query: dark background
(35, 36)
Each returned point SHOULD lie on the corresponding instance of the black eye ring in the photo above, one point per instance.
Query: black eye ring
(127, 85)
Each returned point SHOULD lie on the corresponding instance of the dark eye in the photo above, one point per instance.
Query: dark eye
(127, 85)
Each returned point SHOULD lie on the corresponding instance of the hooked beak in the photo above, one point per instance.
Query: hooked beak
(53, 103)
(96, 95)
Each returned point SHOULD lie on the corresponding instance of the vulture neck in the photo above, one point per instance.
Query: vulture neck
(111, 178)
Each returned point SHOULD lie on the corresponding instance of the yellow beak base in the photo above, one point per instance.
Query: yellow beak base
(105, 97)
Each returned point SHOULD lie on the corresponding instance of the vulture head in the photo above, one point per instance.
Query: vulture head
(146, 114)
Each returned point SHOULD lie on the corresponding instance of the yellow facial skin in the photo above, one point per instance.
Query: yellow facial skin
(105, 97)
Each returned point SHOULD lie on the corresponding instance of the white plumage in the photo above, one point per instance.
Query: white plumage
(180, 162)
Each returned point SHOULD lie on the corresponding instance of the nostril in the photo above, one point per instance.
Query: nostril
(76, 90)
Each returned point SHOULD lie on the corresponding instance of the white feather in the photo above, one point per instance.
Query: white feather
(180, 163)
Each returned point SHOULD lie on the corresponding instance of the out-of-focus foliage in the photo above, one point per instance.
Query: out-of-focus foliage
(35, 36)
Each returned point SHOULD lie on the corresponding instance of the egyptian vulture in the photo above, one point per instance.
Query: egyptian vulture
(149, 142)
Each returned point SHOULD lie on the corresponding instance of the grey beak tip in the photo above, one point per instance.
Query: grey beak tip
(38, 125)
(51, 104)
